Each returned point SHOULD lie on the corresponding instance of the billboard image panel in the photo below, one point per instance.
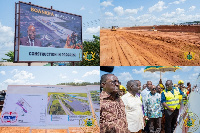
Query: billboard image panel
(48, 35)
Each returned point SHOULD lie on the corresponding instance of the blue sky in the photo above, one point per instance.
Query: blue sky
(126, 13)
(126, 73)
(40, 75)
(88, 9)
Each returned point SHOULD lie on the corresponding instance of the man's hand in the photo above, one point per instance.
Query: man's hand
(171, 109)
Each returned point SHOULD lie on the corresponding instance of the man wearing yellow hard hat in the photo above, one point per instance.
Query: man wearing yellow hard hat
(183, 89)
(122, 90)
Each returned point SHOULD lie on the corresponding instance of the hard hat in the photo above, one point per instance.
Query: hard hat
(161, 85)
(175, 85)
(180, 82)
(121, 87)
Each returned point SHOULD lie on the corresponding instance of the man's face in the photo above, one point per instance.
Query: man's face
(144, 86)
(31, 33)
(112, 84)
(149, 83)
(135, 88)
(169, 85)
(158, 89)
(153, 89)
(181, 85)
(121, 92)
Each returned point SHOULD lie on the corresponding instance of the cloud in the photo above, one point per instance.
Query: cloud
(176, 76)
(3, 72)
(106, 3)
(193, 76)
(82, 8)
(63, 76)
(125, 77)
(135, 71)
(20, 78)
(149, 76)
(157, 7)
(93, 72)
(145, 18)
(23, 75)
(93, 30)
(178, 2)
(78, 80)
(169, 15)
(75, 72)
(186, 68)
(133, 11)
(192, 8)
(197, 69)
(119, 10)
(109, 14)
(6, 39)
(180, 11)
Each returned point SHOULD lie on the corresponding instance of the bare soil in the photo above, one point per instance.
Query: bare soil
(141, 47)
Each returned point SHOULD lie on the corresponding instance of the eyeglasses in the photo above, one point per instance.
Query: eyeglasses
(153, 88)
(114, 82)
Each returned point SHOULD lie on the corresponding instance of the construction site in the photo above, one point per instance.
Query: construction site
(167, 45)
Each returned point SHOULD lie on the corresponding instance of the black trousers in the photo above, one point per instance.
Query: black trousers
(170, 120)
(155, 125)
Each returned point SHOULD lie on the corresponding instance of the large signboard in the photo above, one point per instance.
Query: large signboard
(67, 106)
(48, 35)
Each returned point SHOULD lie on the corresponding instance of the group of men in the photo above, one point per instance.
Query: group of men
(136, 110)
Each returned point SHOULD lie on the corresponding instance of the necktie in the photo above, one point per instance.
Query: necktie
(31, 43)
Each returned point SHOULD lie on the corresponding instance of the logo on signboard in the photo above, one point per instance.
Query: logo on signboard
(190, 121)
(189, 56)
(9, 117)
(89, 57)
(90, 125)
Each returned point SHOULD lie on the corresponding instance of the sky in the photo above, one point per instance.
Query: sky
(88, 9)
(127, 13)
(126, 73)
(46, 75)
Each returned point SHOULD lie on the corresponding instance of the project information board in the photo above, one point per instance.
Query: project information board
(44, 34)
(50, 105)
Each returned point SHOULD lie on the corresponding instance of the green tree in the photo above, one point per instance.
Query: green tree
(92, 46)
(11, 55)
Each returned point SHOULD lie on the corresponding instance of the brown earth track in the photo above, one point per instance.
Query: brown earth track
(142, 48)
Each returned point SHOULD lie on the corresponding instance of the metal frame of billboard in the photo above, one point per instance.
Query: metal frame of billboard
(17, 32)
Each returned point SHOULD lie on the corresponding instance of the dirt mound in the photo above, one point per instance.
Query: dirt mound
(168, 28)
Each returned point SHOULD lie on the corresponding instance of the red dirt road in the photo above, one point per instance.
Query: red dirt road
(142, 48)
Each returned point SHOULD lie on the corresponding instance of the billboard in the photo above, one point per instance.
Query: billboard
(47, 105)
(48, 35)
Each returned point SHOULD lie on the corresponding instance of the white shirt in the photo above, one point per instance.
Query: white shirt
(144, 93)
(134, 113)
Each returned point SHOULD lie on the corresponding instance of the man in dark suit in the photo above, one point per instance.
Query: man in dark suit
(30, 39)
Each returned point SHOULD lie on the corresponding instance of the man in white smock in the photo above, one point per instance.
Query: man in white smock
(133, 107)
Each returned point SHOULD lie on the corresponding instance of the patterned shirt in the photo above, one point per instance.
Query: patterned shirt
(112, 112)
(153, 106)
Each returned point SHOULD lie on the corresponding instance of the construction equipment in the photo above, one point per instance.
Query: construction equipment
(113, 28)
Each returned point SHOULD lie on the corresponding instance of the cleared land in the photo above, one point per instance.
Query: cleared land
(141, 47)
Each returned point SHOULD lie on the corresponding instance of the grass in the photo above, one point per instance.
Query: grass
(82, 113)
(55, 93)
(55, 101)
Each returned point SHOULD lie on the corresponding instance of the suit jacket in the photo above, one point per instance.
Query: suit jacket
(25, 41)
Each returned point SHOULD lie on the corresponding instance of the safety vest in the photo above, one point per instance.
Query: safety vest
(185, 95)
(176, 91)
(172, 100)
